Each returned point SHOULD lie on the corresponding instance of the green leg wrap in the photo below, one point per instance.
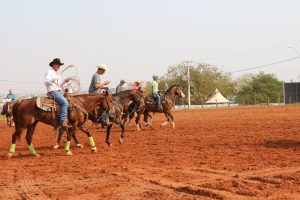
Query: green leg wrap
(92, 143)
(12, 148)
(67, 146)
(32, 150)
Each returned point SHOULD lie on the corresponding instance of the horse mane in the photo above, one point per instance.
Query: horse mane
(122, 92)
(172, 86)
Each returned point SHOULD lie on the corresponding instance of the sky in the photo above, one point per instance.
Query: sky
(137, 39)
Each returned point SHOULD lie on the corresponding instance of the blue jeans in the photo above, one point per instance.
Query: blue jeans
(157, 99)
(62, 101)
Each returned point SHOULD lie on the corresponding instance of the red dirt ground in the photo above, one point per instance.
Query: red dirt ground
(236, 153)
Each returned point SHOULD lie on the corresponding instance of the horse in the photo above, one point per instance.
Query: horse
(120, 105)
(27, 115)
(118, 114)
(167, 102)
(7, 111)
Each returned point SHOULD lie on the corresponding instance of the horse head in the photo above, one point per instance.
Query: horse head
(139, 99)
(176, 90)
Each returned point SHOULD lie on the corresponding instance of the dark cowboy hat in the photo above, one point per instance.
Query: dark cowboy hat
(55, 61)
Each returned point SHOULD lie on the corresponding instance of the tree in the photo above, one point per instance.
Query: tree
(204, 79)
(261, 88)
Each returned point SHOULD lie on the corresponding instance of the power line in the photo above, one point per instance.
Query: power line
(266, 65)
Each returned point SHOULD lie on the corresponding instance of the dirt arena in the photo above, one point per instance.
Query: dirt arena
(236, 153)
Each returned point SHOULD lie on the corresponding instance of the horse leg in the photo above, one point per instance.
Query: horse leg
(12, 124)
(7, 121)
(137, 121)
(146, 119)
(122, 125)
(172, 118)
(91, 139)
(15, 136)
(108, 129)
(60, 133)
(168, 119)
(76, 140)
(68, 143)
(29, 134)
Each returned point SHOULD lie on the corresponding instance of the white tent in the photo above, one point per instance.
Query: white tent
(217, 98)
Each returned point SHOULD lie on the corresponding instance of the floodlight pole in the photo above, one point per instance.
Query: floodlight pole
(189, 83)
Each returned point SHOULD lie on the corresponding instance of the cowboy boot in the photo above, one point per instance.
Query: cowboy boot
(66, 124)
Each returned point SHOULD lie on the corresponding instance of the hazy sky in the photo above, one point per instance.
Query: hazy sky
(137, 38)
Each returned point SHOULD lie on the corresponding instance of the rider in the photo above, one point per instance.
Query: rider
(155, 92)
(10, 97)
(53, 84)
(97, 86)
(120, 87)
(137, 85)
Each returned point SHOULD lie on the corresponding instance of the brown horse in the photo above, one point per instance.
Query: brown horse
(26, 116)
(7, 111)
(167, 101)
(118, 114)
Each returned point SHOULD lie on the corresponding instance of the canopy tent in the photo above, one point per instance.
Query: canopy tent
(217, 98)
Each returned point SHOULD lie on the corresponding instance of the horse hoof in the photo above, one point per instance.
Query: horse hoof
(37, 155)
(94, 149)
(56, 146)
(109, 144)
(9, 155)
(68, 153)
(121, 140)
(79, 145)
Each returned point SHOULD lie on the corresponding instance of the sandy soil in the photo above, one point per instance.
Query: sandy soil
(236, 153)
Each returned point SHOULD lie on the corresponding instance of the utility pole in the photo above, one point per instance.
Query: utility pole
(187, 63)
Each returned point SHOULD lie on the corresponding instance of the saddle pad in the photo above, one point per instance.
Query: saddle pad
(151, 99)
(45, 103)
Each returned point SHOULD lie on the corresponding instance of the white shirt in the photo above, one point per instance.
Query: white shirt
(52, 81)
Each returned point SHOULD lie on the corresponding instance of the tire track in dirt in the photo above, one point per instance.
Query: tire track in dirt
(30, 190)
(210, 176)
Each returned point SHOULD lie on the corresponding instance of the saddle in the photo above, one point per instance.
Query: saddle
(46, 104)
(49, 105)
(151, 100)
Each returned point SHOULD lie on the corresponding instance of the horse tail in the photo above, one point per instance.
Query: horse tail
(15, 112)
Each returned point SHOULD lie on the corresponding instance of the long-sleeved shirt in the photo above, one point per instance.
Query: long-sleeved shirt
(52, 81)
(119, 89)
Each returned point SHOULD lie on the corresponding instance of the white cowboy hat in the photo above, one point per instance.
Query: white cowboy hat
(102, 66)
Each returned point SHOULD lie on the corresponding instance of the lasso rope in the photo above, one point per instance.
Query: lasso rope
(73, 81)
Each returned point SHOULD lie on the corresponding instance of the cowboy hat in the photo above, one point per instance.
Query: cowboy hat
(138, 81)
(55, 61)
(102, 66)
(122, 81)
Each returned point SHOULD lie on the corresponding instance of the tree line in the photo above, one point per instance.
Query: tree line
(205, 78)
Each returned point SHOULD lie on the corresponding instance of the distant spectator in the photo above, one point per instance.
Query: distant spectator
(11, 95)
(120, 87)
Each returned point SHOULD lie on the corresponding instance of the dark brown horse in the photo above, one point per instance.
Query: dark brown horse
(118, 113)
(26, 116)
(167, 101)
(7, 111)
(120, 105)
